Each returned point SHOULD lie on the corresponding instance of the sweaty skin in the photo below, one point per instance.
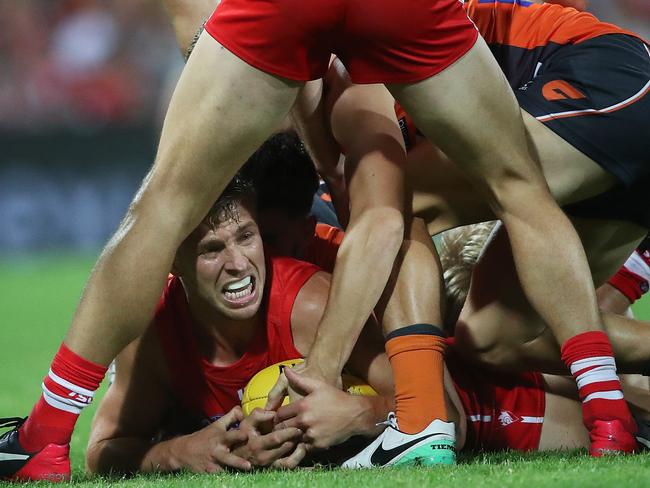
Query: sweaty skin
(494, 306)
(213, 256)
(183, 184)
(122, 429)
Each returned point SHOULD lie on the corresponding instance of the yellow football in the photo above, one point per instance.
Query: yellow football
(259, 386)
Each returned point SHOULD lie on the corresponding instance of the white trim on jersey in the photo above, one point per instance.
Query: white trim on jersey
(532, 420)
(525, 419)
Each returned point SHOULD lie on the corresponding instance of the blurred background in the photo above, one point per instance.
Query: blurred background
(83, 88)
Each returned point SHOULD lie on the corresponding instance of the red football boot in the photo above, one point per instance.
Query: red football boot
(609, 437)
(52, 463)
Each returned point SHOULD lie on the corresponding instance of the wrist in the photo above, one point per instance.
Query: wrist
(327, 355)
(327, 368)
(167, 455)
(372, 411)
(365, 421)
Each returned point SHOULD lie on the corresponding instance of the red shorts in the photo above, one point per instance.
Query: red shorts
(504, 411)
(379, 41)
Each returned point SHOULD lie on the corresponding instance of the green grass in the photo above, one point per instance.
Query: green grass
(37, 300)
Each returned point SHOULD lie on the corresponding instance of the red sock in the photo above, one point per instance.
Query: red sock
(69, 387)
(633, 277)
(590, 358)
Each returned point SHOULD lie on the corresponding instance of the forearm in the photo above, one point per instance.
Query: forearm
(309, 119)
(371, 411)
(134, 454)
(131, 455)
(363, 266)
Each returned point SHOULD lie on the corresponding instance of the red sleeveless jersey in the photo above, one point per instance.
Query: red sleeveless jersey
(203, 389)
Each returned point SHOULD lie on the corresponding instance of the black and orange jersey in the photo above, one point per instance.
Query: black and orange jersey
(322, 248)
(522, 34)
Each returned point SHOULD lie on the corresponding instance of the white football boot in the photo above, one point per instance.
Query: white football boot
(434, 445)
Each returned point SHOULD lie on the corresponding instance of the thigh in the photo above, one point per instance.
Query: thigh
(563, 427)
(608, 244)
(571, 175)
(221, 111)
(442, 195)
(497, 326)
(455, 107)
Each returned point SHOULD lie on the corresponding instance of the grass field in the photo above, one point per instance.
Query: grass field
(37, 299)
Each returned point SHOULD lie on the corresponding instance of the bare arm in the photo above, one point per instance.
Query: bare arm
(309, 117)
(128, 415)
(363, 122)
(131, 412)
(327, 415)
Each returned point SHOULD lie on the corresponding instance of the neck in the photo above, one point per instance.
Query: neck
(221, 340)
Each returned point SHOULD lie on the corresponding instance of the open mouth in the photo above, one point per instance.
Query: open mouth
(239, 291)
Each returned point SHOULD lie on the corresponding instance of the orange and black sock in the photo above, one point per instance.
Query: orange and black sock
(416, 353)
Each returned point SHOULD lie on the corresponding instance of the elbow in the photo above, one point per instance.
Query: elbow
(93, 455)
(104, 457)
(375, 233)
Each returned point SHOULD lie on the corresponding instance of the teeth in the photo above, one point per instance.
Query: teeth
(241, 293)
(236, 285)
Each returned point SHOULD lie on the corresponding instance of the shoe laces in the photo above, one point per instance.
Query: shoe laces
(391, 421)
(12, 422)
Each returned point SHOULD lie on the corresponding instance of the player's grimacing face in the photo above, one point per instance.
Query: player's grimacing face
(222, 265)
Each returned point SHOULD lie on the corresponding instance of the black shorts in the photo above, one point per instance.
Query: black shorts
(619, 203)
(596, 96)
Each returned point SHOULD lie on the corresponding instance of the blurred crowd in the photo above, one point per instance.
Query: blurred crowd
(83, 64)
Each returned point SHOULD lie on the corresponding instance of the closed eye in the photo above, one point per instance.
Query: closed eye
(211, 248)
